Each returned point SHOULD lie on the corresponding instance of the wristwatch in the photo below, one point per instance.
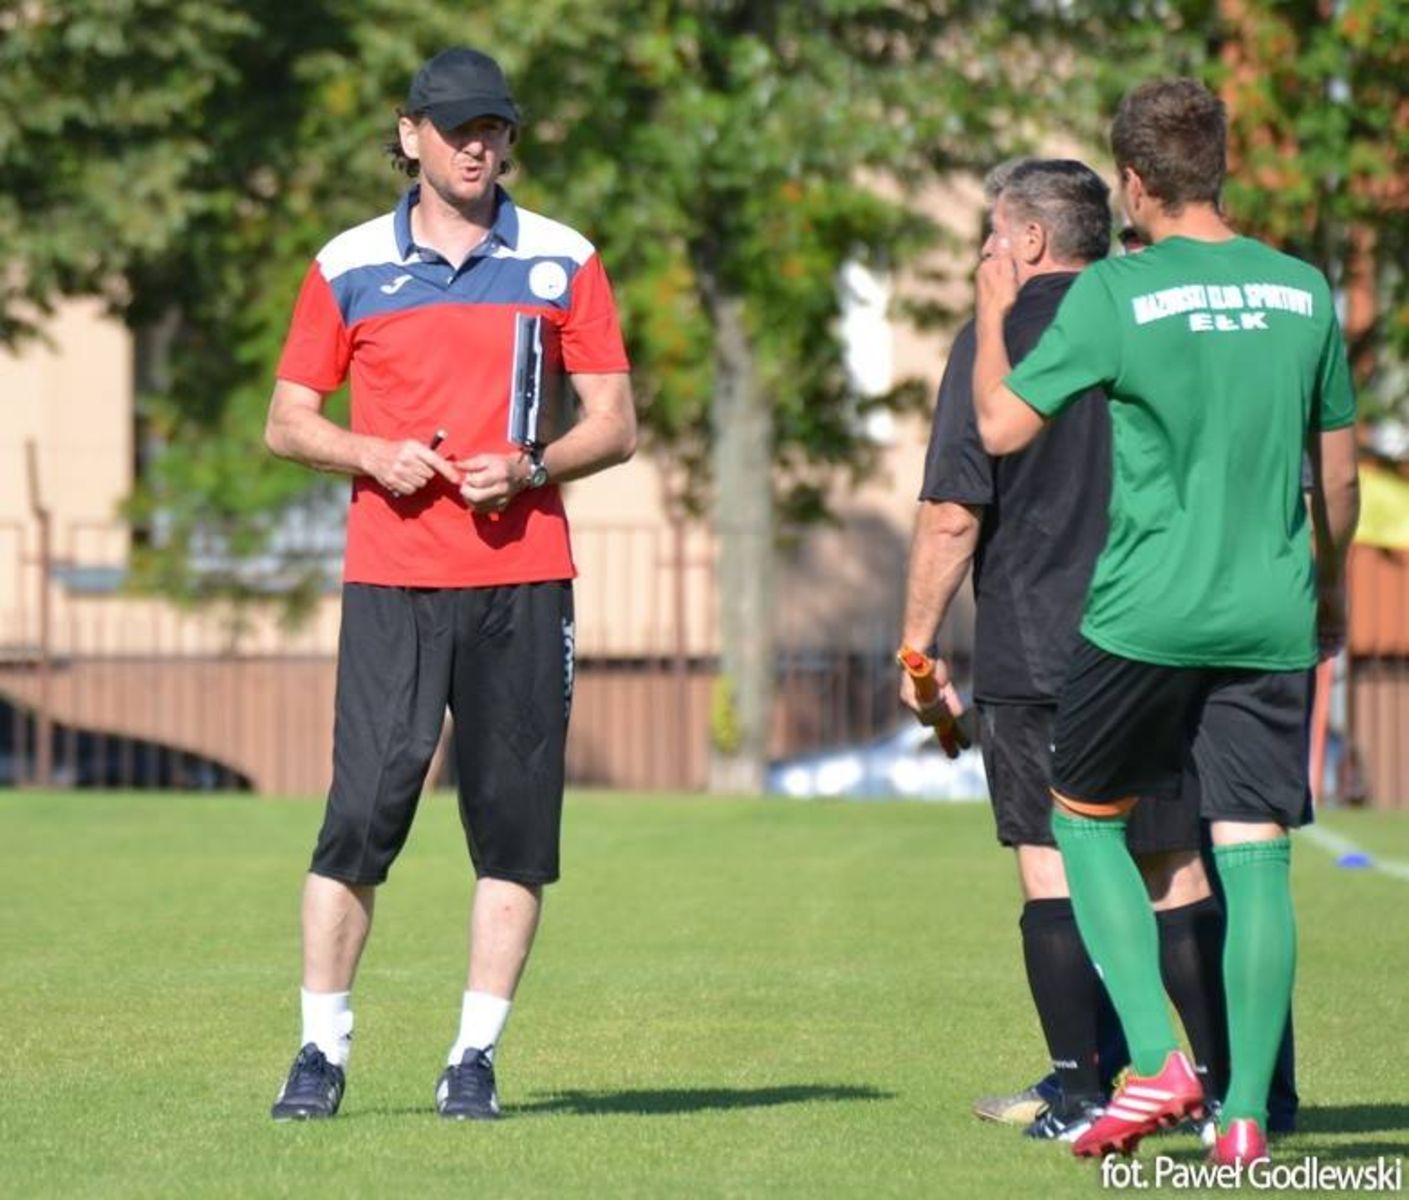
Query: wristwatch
(538, 469)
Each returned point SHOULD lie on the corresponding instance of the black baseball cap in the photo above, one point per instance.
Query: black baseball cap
(459, 85)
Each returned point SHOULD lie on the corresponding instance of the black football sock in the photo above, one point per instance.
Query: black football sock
(1282, 1098)
(1112, 1052)
(1065, 989)
(1191, 957)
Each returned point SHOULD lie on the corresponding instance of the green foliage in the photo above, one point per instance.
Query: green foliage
(102, 144)
(1322, 144)
(184, 159)
(189, 158)
(144, 161)
(725, 732)
(750, 150)
(1318, 136)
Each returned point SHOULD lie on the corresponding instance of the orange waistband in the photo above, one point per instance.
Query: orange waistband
(1086, 808)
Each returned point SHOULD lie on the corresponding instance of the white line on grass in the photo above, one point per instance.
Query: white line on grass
(1335, 843)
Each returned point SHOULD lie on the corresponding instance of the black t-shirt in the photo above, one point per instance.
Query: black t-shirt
(1045, 513)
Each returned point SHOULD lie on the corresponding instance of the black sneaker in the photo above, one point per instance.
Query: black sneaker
(313, 1089)
(1064, 1122)
(466, 1092)
(1206, 1126)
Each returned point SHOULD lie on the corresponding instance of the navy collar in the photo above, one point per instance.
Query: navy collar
(504, 231)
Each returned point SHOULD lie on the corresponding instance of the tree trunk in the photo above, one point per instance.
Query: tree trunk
(151, 375)
(742, 715)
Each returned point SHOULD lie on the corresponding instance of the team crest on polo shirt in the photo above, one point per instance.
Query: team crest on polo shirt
(547, 280)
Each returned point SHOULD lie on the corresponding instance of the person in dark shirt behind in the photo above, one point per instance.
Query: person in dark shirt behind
(1031, 525)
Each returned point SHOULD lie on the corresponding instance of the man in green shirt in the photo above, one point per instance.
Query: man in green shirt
(1223, 362)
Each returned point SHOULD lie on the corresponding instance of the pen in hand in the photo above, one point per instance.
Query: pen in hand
(434, 443)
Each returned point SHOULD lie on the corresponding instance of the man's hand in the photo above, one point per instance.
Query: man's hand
(995, 285)
(1005, 423)
(1331, 618)
(928, 708)
(926, 691)
(404, 468)
(490, 481)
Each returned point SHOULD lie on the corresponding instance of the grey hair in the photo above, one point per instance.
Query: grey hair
(1067, 198)
(997, 179)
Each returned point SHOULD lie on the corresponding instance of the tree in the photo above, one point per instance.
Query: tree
(1320, 146)
(1318, 131)
(184, 160)
(730, 156)
(147, 159)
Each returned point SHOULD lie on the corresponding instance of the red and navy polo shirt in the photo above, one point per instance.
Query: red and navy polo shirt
(429, 346)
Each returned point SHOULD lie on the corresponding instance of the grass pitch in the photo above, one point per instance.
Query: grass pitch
(728, 998)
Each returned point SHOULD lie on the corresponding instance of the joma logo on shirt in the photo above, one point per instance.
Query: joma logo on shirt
(1207, 305)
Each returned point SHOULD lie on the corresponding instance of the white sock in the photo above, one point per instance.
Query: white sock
(482, 1019)
(327, 1023)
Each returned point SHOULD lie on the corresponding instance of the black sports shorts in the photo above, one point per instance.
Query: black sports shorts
(1128, 728)
(502, 659)
(1017, 758)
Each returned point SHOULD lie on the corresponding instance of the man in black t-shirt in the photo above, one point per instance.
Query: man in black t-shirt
(1031, 525)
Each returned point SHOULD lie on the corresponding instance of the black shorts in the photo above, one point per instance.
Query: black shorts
(1017, 757)
(501, 658)
(1128, 728)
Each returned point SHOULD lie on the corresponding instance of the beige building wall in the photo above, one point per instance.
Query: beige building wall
(71, 396)
(850, 578)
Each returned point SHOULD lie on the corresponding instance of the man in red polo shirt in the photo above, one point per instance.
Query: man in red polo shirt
(457, 582)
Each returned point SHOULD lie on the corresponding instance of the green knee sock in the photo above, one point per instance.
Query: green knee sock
(1259, 963)
(1118, 926)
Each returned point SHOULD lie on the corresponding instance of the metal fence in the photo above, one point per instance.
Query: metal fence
(1373, 709)
(105, 689)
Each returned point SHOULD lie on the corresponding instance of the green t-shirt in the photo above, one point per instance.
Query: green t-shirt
(1219, 358)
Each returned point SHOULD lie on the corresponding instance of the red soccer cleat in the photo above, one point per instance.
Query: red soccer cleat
(1143, 1105)
(1243, 1143)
